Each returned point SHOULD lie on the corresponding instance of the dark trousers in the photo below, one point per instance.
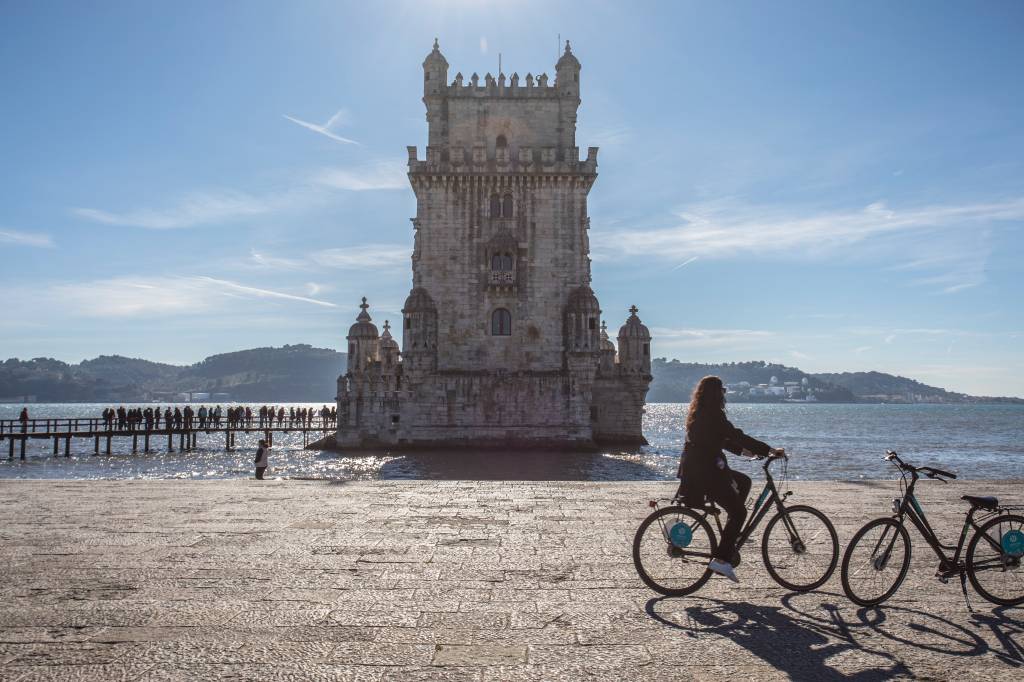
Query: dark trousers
(260, 470)
(730, 493)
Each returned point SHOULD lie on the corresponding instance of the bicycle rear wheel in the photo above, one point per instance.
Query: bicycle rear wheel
(994, 560)
(800, 548)
(671, 551)
(876, 562)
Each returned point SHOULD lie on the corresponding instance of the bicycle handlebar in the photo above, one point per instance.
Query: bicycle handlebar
(930, 472)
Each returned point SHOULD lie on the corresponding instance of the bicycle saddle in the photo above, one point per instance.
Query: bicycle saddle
(989, 503)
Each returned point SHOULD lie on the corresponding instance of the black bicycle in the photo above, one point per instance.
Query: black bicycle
(673, 545)
(878, 558)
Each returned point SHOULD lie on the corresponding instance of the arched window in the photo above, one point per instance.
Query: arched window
(501, 323)
(501, 142)
(501, 262)
(495, 206)
(506, 207)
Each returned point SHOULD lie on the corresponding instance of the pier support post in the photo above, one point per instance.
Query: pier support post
(135, 443)
(10, 448)
(23, 440)
(56, 445)
(108, 444)
(67, 446)
(170, 441)
(96, 445)
(145, 445)
(194, 436)
(181, 441)
(227, 440)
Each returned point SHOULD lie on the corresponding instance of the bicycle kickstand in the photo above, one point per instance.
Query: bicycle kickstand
(963, 587)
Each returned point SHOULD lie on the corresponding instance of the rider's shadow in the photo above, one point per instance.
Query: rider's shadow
(800, 648)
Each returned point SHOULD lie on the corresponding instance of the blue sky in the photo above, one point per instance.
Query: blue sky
(836, 186)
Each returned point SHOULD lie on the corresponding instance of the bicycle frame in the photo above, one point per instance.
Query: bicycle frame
(910, 508)
(766, 501)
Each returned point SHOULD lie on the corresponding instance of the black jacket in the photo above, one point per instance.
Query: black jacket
(703, 460)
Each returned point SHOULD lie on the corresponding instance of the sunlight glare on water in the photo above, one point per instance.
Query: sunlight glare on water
(825, 441)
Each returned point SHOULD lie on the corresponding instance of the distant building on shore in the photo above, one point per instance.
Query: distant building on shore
(502, 339)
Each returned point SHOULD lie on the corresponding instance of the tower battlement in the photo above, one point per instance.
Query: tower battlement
(521, 160)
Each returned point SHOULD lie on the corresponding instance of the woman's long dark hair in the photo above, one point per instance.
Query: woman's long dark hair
(708, 398)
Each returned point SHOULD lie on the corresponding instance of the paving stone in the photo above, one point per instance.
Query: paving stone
(235, 584)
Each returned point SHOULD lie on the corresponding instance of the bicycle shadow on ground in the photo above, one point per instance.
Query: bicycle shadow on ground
(809, 635)
(917, 628)
(799, 647)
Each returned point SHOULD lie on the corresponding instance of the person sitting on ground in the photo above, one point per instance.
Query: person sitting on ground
(705, 472)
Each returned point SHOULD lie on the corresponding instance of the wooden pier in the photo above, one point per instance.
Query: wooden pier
(62, 431)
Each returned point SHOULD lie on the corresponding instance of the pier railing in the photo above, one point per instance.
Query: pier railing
(97, 428)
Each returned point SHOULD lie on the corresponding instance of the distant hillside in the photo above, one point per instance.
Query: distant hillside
(878, 386)
(301, 373)
(292, 373)
(674, 381)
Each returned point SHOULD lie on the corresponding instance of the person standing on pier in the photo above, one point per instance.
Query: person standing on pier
(262, 459)
(23, 418)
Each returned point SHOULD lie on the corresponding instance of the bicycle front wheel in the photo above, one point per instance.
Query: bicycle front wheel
(672, 549)
(994, 560)
(800, 548)
(876, 562)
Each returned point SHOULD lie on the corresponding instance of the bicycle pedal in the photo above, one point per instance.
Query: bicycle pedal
(943, 578)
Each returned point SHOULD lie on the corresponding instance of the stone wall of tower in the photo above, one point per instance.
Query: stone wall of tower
(452, 262)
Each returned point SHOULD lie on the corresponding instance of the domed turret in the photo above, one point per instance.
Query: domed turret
(362, 341)
(635, 344)
(435, 71)
(582, 312)
(419, 337)
(606, 343)
(388, 349)
(607, 363)
(567, 73)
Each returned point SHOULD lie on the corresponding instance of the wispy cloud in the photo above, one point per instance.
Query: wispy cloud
(726, 229)
(613, 136)
(270, 262)
(339, 117)
(685, 262)
(213, 207)
(364, 257)
(125, 297)
(714, 339)
(379, 176)
(202, 208)
(36, 239)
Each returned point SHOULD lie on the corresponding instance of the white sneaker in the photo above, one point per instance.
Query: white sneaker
(723, 568)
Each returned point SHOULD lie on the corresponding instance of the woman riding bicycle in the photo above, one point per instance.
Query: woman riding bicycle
(705, 473)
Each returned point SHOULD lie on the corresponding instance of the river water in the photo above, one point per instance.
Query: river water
(825, 442)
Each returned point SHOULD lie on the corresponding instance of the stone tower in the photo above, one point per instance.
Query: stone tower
(502, 340)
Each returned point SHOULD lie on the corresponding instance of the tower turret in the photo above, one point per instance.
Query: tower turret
(582, 316)
(435, 72)
(362, 341)
(634, 345)
(567, 74)
(435, 86)
(388, 350)
(419, 335)
(567, 84)
(607, 351)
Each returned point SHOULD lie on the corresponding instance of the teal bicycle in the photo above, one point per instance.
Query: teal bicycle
(674, 544)
(878, 558)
